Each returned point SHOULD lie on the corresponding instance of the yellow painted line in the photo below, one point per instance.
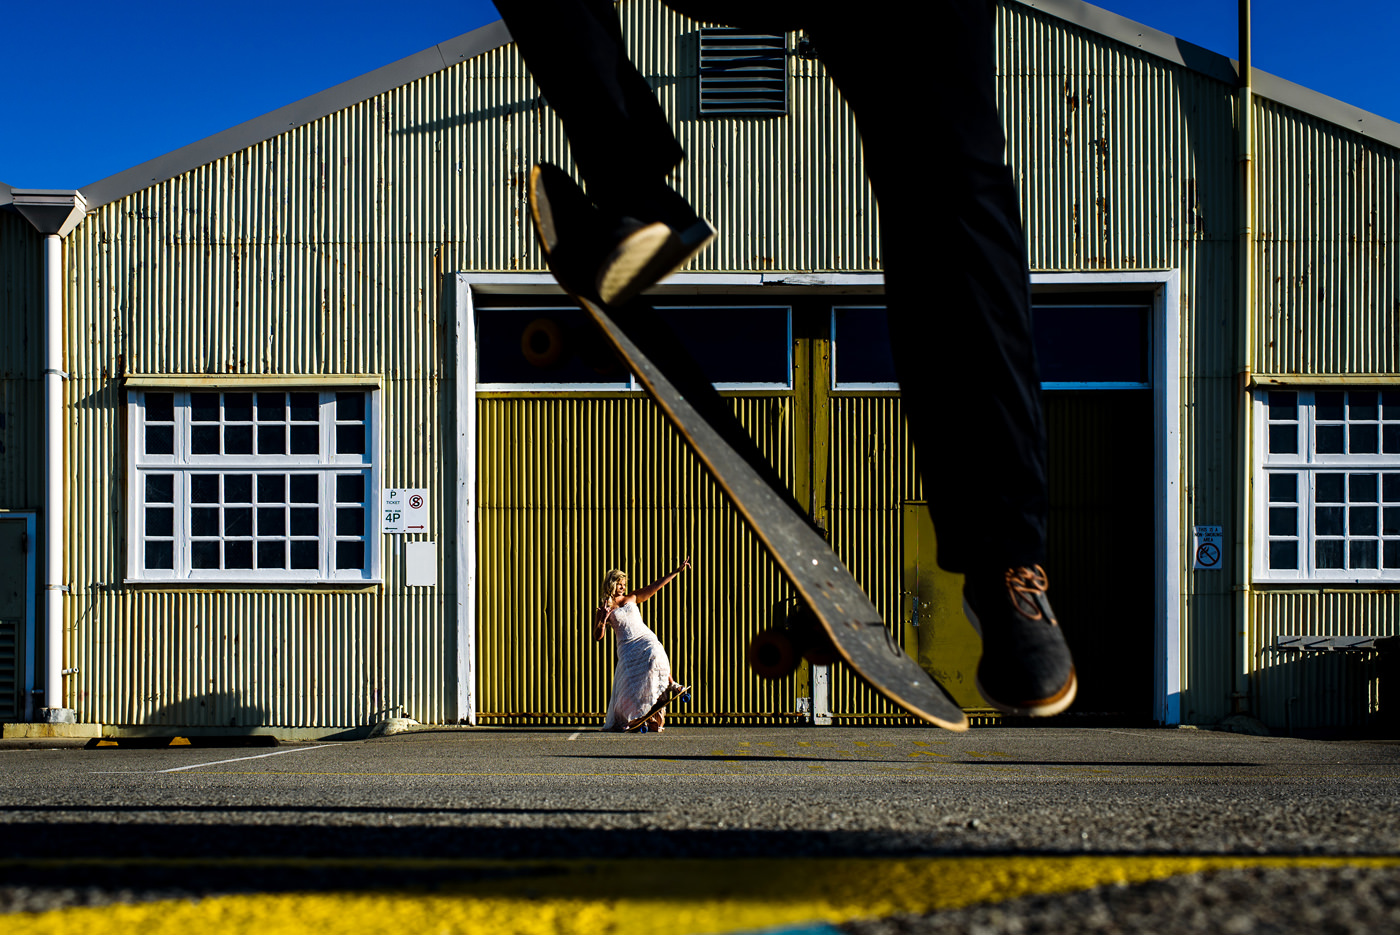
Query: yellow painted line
(627, 897)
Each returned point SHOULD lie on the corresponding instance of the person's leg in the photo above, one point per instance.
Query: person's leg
(957, 290)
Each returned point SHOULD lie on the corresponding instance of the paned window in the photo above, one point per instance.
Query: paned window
(1328, 506)
(554, 348)
(265, 485)
(860, 349)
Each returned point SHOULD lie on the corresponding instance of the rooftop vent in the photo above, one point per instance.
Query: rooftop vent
(742, 73)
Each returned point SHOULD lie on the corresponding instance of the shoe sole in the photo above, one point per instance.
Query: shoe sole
(647, 256)
(1045, 707)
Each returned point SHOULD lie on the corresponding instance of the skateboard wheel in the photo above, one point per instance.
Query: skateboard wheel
(772, 654)
(643, 729)
(817, 647)
(685, 699)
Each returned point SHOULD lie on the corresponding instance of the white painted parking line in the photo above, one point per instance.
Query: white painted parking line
(574, 735)
(239, 759)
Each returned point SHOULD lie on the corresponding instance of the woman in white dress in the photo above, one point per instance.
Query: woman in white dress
(643, 672)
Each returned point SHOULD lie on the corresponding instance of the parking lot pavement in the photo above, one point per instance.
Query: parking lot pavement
(728, 828)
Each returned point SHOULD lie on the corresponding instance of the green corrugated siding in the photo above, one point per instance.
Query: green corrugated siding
(21, 363)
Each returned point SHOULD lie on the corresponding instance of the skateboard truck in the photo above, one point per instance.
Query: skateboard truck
(775, 653)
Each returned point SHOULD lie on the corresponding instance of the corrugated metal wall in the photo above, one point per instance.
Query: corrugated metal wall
(1328, 280)
(573, 486)
(21, 363)
(323, 250)
(1127, 162)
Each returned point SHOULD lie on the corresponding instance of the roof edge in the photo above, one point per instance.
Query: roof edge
(1220, 67)
(494, 35)
(5, 197)
(308, 109)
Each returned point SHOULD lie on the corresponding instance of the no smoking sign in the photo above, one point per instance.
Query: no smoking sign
(1206, 544)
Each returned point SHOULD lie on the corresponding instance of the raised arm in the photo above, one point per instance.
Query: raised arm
(642, 594)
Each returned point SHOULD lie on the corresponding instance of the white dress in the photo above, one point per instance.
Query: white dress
(643, 671)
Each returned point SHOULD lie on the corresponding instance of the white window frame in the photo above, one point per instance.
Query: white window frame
(630, 384)
(1307, 464)
(183, 464)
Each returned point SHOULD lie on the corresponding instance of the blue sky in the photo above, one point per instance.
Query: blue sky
(90, 89)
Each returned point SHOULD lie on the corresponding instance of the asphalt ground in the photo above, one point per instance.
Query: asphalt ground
(876, 830)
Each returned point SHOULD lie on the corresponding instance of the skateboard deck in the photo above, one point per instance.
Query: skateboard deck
(824, 585)
(689, 402)
(639, 725)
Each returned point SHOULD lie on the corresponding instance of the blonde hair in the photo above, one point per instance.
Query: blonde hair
(614, 576)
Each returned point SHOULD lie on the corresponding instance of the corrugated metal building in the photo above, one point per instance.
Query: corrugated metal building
(267, 337)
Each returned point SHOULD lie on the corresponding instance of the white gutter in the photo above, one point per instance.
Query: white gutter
(54, 213)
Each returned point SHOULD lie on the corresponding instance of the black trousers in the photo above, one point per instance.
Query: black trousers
(920, 79)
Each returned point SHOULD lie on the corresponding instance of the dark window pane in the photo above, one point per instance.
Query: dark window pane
(1390, 404)
(306, 439)
(272, 407)
(861, 352)
(1364, 554)
(204, 521)
(1390, 521)
(1331, 488)
(1329, 439)
(204, 554)
(1390, 488)
(238, 521)
(1364, 521)
(204, 488)
(532, 345)
(204, 439)
(1283, 488)
(1283, 405)
(1364, 487)
(272, 488)
(238, 439)
(272, 440)
(304, 554)
(160, 521)
(1365, 439)
(349, 555)
(160, 407)
(1328, 520)
(350, 439)
(272, 554)
(304, 489)
(732, 344)
(1328, 553)
(238, 554)
(204, 407)
(1390, 439)
(238, 407)
(160, 439)
(1329, 406)
(1283, 521)
(272, 521)
(1363, 405)
(350, 488)
(350, 521)
(1090, 343)
(305, 521)
(350, 407)
(306, 407)
(238, 488)
(160, 555)
(1283, 554)
(1392, 554)
(1283, 439)
(160, 488)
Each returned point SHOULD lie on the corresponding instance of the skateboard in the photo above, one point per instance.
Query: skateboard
(688, 400)
(639, 725)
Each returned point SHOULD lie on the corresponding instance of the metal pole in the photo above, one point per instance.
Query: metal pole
(1244, 465)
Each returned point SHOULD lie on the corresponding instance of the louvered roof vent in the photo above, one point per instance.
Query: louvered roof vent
(742, 73)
